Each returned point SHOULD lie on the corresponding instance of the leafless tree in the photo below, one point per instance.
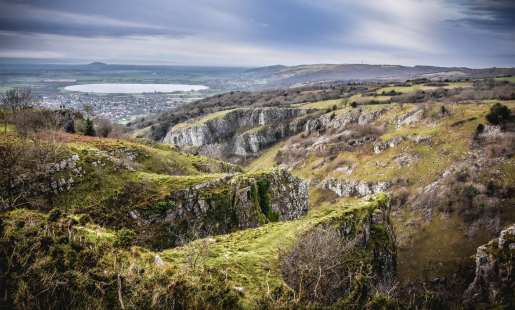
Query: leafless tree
(88, 111)
(18, 100)
(104, 126)
(197, 245)
(319, 264)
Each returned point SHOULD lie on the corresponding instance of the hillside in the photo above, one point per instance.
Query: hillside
(392, 196)
(100, 222)
(447, 167)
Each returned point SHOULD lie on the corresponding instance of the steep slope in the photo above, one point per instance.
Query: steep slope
(248, 256)
(238, 132)
(451, 185)
(494, 279)
(151, 188)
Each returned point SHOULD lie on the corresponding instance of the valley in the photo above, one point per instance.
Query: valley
(240, 200)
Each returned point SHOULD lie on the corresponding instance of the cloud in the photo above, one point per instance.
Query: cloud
(260, 32)
(493, 15)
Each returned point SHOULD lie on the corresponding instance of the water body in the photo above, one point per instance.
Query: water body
(133, 88)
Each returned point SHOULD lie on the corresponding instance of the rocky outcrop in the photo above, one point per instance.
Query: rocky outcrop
(241, 131)
(238, 201)
(370, 220)
(340, 120)
(67, 120)
(382, 146)
(495, 276)
(346, 187)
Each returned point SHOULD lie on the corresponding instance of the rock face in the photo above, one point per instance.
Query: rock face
(240, 131)
(380, 147)
(370, 219)
(495, 276)
(359, 116)
(67, 122)
(233, 202)
(346, 187)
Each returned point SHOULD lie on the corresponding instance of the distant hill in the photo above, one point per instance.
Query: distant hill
(98, 64)
(265, 69)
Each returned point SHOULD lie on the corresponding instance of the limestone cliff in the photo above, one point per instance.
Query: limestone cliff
(370, 219)
(239, 131)
(495, 278)
(346, 187)
(232, 202)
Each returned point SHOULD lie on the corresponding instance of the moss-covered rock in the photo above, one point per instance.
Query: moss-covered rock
(495, 278)
(233, 202)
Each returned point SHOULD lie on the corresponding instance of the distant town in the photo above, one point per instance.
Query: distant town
(120, 108)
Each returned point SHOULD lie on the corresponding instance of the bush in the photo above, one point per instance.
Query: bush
(124, 238)
(54, 215)
(318, 263)
(354, 104)
(84, 219)
(162, 206)
(490, 187)
(498, 114)
(480, 128)
(471, 191)
(89, 130)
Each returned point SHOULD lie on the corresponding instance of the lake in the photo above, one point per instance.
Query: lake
(133, 88)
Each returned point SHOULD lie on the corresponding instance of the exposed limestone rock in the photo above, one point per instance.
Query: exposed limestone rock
(423, 140)
(380, 147)
(372, 222)
(409, 118)
(264, 126)
(232, 202)
(340, 120)
(346, 187)
(495, 277)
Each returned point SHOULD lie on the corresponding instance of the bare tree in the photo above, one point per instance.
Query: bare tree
(197, 245)
(19, 100)
(104, 126)
(319, 264)
(88, 111)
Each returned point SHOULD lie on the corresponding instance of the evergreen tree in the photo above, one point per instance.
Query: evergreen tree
(90, 130)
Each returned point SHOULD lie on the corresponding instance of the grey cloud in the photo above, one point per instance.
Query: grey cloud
(496, 15)
(82, 30)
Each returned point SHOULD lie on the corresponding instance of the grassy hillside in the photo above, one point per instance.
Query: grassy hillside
(439, 157)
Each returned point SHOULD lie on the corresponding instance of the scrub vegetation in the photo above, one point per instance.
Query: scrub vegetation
(405, 181)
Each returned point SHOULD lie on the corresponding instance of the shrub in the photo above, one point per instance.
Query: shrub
(480, 128)
(471, 191)
(498, 114)
(490, 187)
(162, 206)
(54, 215)
(354, 104)
(124, 238)
(333, 116)
(318, 263)
(84, 219)
(89, 130)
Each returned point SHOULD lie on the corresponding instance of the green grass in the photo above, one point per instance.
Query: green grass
(204, 120)
(499, 101)
(321, 104)
(265, 161)
(251, 249)
(510, 79)
(403, 90)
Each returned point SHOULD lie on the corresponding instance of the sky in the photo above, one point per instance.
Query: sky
(253, 33)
